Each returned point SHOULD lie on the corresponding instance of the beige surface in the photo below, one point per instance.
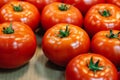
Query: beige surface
(39, 68)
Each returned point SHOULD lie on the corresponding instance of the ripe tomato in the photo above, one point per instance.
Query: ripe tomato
(64, 41)
(118, 68)
(83, 5)
(116, 2)
(20, 11)
(107, 43)
(90, 66)
(102, 17)
(40, 4)
(2, 2)
(119, 75)
(17, 44)
(57, 12)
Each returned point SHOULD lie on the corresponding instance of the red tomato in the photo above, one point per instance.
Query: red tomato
(116, 2)
(83, 5)
(20, 11)
(119, 75)
(60, 13)
(64, 41)
(102, 17)
(2, 2)
(17, 44)
(90, 66)
(40, 4)
(107, 43)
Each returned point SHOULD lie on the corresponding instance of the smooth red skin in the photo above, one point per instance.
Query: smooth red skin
(30, 15)
(94, 22)
(116, 2)
(77, 68)
(2, 2)
(16, 49)
(61, 50)
(40, 4)
(118, 75)
(52, 15)
(109, 48)
(83, 5)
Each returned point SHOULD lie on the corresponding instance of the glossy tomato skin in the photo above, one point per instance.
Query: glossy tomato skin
(95, 22)
(28, 15)
(119, 75)
(107, 47)
(52, 15)
(116, 2)
(83, 5)
(77, 68)
(17, 48)
(2, 2)
(61, 50)
(40, 4)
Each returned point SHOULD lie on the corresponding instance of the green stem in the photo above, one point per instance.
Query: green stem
(17, 8)
(64, 33)
(8, 30)
(112, 35)
(63, 7)
(105, 13)
(94, 66)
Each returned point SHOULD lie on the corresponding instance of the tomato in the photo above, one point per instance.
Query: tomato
(107, 43)
(20, 11)
(116, 2)
(118, 75)
(57, 12)
(40, 4)
(83, 5)
(64, 41)
(2, 2)
(118, 68)
(90, 66)
(17, 44)
(102, 17)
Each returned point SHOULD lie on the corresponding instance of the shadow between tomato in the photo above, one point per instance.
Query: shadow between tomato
(48, 70)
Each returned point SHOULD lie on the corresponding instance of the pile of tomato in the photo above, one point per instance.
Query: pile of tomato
(81, 35)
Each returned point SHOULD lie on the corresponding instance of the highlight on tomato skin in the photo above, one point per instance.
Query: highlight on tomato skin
(83, 5)
(20, 11)
(17, 44)
(102, 17)
(107, 43)
(40, 4)
(90, 66)
(58, 12)
(64, 41)
(3, 2)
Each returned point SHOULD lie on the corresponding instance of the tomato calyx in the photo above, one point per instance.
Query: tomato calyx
(17, 8)
(112, 35)
(94, 66)
(63, 7)
(8, 30)
(64, 33)
(105, 13)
